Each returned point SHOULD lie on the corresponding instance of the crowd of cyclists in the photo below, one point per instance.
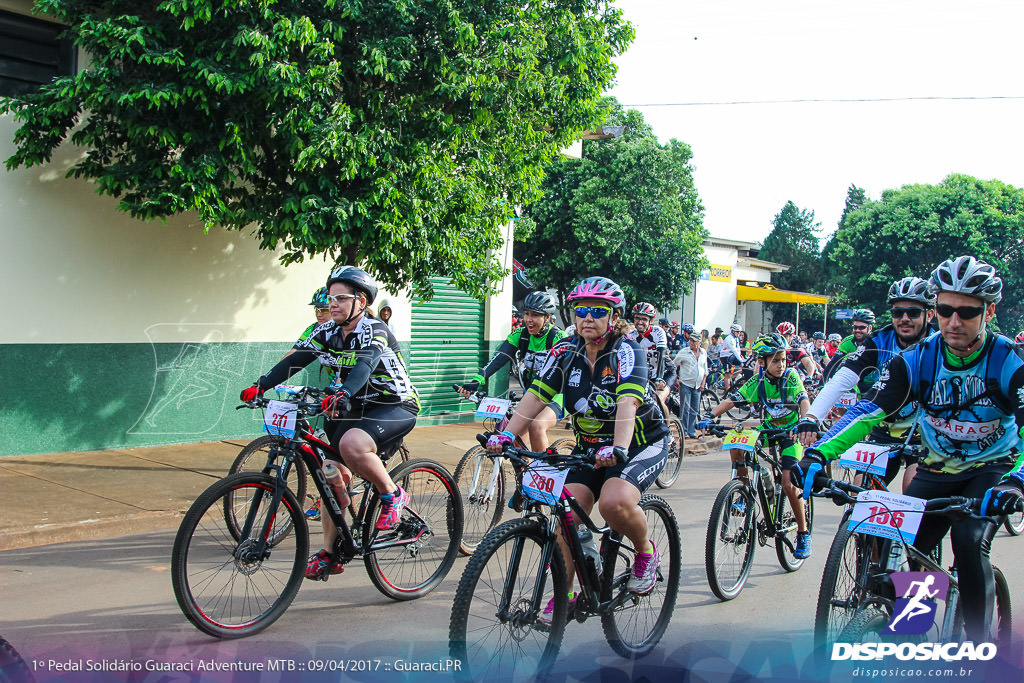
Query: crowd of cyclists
(935, 370)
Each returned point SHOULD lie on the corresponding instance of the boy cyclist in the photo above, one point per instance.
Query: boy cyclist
(782, 396)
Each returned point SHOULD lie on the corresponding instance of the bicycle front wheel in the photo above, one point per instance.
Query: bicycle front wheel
(729, 546)
(481, 483)
(253, 457)
(676, 449)
(843, 584)
(411, 559)
(1000, 630)
(785, 534)
(635, 623)
(708, 400)
(226, 585)
(509, 640)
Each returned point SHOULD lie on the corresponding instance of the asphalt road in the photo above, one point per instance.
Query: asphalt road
(108, 605)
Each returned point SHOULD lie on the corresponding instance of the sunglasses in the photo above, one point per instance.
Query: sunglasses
(321, 311)
(338, 298)
(595, 312)
(860, 328)
(965, 312)
(912, 313)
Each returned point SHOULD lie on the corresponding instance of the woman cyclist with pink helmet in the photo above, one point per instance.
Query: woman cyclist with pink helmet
(603, 377)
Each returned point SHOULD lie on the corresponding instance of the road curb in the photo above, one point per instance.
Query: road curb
(90, 529)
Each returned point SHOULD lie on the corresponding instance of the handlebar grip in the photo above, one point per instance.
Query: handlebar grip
(482, 439)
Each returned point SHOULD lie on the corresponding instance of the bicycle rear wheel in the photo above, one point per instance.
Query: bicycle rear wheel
(223, 585)
(636, 623)
(1000, 631)
(676, 449)
(785, 538)
(843, 584)
(708, 400)
(729, 545)
(411, 559)
(482, 503)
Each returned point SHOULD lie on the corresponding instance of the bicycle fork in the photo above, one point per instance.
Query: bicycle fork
(526, 615)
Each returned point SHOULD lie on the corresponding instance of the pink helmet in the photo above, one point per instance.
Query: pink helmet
(786, 328)
(601, 289)
(1020, 338)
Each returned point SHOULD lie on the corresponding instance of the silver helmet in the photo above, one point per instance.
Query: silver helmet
(967, 275)
(912, 289)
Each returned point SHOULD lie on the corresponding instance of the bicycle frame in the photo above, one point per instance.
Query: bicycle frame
(314, 451)
(771, 508)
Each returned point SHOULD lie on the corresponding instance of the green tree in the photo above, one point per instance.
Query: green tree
(911, 230)
(627, 210)
(793, 241)
(396, 133)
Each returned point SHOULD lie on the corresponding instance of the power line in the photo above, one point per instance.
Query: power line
(828, 100)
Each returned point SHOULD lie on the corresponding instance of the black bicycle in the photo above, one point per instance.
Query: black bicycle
(871, 596)
(259, 454)
(751, 510)
(497, 627)
(240, 553)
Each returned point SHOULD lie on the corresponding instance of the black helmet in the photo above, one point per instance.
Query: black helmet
(864, 315)
(818, 335)
(356, 278)
(912, 289)
(539, 302)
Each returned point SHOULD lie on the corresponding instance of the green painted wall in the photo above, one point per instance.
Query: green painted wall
(80, 397)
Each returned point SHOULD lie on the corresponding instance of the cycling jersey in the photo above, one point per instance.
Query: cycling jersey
(531, 358)
(861, 364)
(961, 419)
(368, 363)
(731, 347)
(591, 395)
(654, 344)
(325, 363)
(780, 397)
(794, 354)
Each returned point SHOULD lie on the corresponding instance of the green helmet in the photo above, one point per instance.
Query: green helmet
(769, 344)
(320, 298)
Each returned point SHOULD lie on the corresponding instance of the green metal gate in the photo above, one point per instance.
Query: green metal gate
(448, 347)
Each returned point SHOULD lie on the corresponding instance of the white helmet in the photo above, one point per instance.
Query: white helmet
(967, 275)
(735, 327)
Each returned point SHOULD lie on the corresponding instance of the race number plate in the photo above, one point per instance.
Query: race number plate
(279, 419)
(889, 515)
(543, 483)
(492, 407)
(741, 441)
(848, 399)
(866, 457)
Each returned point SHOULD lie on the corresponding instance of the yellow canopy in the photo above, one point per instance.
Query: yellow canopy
(769, 293)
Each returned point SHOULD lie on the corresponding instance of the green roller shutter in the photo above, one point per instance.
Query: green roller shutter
(447, 348)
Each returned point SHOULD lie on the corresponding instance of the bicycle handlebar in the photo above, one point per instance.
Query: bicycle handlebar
(951, 506)
(552, 457)
(481, 394)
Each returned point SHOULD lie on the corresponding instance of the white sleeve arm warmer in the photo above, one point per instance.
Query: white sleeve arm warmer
(841, 382)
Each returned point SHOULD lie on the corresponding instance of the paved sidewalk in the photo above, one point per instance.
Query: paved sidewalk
(59, 497)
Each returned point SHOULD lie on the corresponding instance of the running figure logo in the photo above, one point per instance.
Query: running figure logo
(915, 610)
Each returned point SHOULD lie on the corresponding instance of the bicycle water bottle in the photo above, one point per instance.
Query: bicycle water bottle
(337, 481)
(591, 553)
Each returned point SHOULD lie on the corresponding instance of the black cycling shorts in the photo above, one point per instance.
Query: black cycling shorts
(730, 361)
(644, 466)
(385, 424)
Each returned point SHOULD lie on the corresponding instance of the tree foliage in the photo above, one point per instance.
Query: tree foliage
(793, 241)
(394, 132)
(627, 210)
(911, 230)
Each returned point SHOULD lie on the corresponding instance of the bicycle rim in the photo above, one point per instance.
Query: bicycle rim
(674, 460)
(729, 545)
(634, 627)
(253, 458)
(482, 503)
(412, 558)
(513, 646)
(1014, 524)
(221, 585)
